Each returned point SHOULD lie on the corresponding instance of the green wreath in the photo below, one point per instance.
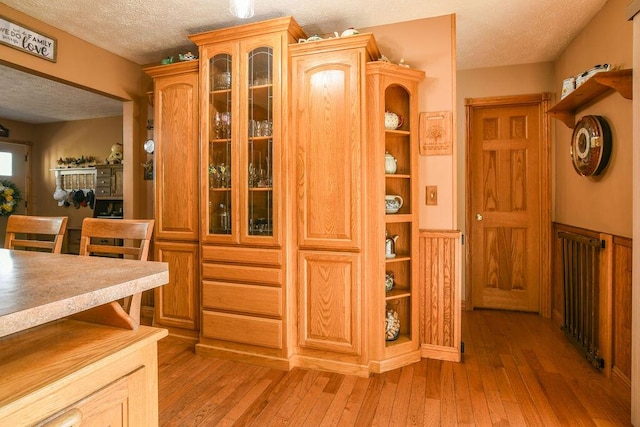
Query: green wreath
(9, 197)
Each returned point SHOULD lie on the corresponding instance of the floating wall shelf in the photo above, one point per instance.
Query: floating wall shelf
(599, 84)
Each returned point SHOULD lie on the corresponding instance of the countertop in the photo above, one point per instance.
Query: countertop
(36, 287)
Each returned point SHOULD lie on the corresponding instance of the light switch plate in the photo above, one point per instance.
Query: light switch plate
(432, 195)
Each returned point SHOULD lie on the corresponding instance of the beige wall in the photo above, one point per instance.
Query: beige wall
(84, 65)
(18, 131)
(602, 203)
(68, 139)
(429, 45)
(64, 139)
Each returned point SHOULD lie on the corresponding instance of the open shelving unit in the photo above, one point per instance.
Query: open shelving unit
(598, 85)
(394, 89)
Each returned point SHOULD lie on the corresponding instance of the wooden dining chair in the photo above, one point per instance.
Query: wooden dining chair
(125, 238)
(23, 232)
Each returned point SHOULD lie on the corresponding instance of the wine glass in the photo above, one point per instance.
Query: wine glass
(218, 125)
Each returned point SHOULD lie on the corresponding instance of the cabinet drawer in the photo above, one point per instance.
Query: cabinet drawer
(242, 329)
(270, 257)
(103, 181)
(242, 273)
(102, 172)
(103, 191)
(108, 406)
(252, 299)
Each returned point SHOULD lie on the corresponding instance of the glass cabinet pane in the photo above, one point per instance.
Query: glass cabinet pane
(260, 142)
(220, 184)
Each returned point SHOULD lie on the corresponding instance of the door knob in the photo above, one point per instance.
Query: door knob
(478, 217)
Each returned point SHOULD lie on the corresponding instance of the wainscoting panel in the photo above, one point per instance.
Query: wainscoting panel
(622, 309)
(441, 288)
(615, 297)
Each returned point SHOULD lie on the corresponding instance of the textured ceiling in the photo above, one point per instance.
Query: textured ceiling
(32, 99)
(489, 32)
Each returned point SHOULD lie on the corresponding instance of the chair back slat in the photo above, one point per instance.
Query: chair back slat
(127, 230)
(31, 226)
(101, 236)
(113, 250)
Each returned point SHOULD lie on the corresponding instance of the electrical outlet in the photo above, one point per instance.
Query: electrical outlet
(432, 195)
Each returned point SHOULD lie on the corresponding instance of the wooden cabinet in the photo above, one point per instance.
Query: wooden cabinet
(69, 371)
(108, 192)
(176, 170)
(244, 77)
(329, 135)
(110, 406)
(393, 332)
(109, 181)
(291, 245)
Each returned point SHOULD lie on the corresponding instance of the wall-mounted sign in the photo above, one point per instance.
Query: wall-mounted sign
(435, 133)
(27, 40)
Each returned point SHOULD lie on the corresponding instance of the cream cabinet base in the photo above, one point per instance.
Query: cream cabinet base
(72, 370)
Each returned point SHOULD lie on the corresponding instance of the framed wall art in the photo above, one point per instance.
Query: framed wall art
(435, 133)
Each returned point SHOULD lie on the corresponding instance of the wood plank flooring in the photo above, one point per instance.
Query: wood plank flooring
(518, 370)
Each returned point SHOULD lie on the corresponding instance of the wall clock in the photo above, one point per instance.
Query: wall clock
(149, 146)
(590, 145)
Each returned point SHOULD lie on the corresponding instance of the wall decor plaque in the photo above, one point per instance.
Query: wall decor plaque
(27, 40)
(435, 133)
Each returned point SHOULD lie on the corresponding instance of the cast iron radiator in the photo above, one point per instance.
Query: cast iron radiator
(580, 266)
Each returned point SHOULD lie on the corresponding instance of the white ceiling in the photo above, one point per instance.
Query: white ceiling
(489, 33)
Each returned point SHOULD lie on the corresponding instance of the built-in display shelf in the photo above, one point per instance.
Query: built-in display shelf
(620, 81)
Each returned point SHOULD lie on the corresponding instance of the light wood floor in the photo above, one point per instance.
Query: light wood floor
(518, 369)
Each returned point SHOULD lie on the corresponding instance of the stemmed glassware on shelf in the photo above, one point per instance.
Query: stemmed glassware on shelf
(222, 123)
(258, 177)
(219, 175)
(258, 128)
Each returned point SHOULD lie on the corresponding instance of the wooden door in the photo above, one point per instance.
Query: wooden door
(176, 150)
(177, 303)
(327, 131)
(507, 187)
(329, 301)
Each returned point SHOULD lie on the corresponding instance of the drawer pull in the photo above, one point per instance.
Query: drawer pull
(70, 418)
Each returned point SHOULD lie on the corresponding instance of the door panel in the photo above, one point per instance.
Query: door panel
(329, 301)
(327, 131)
(177, 302)
(176, 156)
(504, 161)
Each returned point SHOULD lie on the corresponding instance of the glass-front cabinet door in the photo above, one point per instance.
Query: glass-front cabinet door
(220, 148)
(259, 148)
(243, 141)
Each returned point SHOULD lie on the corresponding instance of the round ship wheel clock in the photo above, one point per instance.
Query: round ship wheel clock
(590, 145)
